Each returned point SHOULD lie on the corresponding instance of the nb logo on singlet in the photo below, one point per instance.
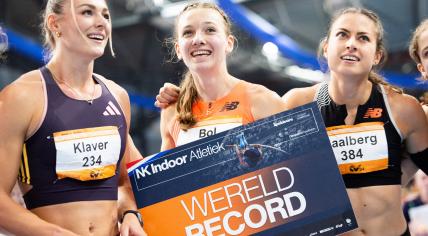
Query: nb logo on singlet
(229, 106)
(373, 113)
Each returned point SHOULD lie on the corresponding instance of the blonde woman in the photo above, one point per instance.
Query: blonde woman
(64, 133)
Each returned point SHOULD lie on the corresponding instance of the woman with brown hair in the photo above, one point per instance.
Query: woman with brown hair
(211, 100)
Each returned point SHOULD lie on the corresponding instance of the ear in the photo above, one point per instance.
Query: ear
(177, 51)
(378, 57)
(230, 44)
(324, 49)
(422, 70)
(52, 23)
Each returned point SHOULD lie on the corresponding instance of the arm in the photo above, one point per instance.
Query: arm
(299, 96)
(408, 168)
(21, 104)
(414, 127)
(168, 95)
(130, 224)
(167, 115)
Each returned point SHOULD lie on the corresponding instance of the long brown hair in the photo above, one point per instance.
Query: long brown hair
(57, 7)
(188, 92)
(374, 76)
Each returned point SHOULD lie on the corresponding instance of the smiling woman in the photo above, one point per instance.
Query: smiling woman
(211, 100)
(366, 119)
(68, 156)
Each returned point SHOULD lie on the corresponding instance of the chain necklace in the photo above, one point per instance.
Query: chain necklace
(75, 92)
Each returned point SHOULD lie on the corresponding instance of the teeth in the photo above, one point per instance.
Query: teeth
(350, 58)
(201, 52)
(96, 36)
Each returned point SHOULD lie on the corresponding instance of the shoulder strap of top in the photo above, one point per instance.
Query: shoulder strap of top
(321, 95)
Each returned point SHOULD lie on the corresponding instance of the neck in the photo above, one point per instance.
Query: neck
(212, 86)
(72, 70)
(349, 91)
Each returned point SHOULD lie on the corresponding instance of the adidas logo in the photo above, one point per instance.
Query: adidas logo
(111, 110)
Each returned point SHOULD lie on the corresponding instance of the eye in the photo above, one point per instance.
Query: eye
(187, 33)
(106, 16)
(341, 34)
(365, 38)
(425, 54)
(87, 12)
(211, 29)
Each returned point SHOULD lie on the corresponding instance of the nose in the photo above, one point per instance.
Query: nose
(101, 21)
(198, 38)
(350, 44)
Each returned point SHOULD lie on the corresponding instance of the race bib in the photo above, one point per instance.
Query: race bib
(207, 128)
(359, 148)
(87, 154)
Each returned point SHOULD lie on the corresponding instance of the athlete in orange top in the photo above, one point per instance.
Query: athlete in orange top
(211, 100)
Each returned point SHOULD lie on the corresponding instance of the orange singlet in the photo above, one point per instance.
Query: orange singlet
(226, 113)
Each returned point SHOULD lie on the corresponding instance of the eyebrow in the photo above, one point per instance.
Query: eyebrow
(347, 31)
(91, 6)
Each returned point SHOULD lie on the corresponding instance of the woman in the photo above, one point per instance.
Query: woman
(358, 105)
(418, 50)
(211, 100)
(65, 134)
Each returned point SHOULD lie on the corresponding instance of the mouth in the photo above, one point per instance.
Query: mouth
(199, 53)
(351, 58)
(96, 37)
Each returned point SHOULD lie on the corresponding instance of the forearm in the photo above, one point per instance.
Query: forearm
(126, 200)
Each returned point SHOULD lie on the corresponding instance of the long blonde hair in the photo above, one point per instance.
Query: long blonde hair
(188, 91)
(374, 76)
(57, 7)
(414, 42)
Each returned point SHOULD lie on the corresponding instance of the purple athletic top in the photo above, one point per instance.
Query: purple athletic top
(39, 159)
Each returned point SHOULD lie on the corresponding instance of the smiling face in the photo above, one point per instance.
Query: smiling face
(203, 41)
(84, 27)
(351, 48)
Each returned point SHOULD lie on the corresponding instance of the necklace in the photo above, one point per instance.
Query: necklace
(75, 92)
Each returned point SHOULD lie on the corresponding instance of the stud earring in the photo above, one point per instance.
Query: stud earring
(58, 34)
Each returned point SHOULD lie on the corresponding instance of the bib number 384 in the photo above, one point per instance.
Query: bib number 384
(359, 148)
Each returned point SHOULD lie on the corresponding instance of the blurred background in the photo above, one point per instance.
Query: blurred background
(277, 43)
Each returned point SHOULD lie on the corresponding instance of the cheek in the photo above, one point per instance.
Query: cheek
(425, 63)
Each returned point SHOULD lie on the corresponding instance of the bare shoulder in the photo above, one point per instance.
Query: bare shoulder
(401, 102)
(27, 89)
(407, 111)
(300, 96)
(264, 102)
(21, 104)
(260, 91)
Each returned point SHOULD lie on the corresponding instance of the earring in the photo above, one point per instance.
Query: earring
(58, 34)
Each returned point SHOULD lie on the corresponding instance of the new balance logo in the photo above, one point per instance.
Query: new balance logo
(373, 113)
(111, 110)
(229, 106)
